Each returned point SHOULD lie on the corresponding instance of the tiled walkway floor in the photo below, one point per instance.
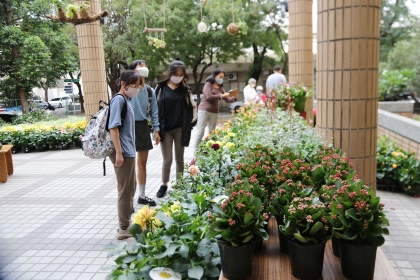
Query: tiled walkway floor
(57, 211)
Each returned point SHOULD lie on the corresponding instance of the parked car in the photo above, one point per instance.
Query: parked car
(195, 97)
(39, 104)
(61, 101)
(235, 106)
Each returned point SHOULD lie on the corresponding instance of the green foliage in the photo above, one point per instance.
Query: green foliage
(31, 48)
(396, 24)
(394, 82)
(397, 167)
(358, 215)
(33, 117)
(305, 221)
(405, 56)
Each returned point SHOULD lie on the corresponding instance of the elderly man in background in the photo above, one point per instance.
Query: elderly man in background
(250, 94)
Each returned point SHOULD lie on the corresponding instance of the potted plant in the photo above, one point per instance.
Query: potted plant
(84, 10)
(237, 224)
(72, 11)
(359, 221)
(307, 230)
(280, 199)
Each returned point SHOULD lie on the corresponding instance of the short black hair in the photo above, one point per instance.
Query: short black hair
(129, 77)
(134, 64)
(277, 68)
(211, 79)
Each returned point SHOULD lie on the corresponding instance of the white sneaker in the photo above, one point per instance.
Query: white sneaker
(123, 233)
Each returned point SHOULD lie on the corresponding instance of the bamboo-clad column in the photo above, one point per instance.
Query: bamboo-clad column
(347, 79)
(300, 47)
(92, 61)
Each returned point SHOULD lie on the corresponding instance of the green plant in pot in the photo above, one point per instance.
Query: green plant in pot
(359, 221)
(237, 223)
(307, 229)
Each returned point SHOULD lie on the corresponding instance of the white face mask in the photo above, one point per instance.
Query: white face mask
(177, 80)
(143, 71)
(131, 92)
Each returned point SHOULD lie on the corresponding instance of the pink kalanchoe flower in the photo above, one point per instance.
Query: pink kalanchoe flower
(193, 170)
(231, 222)
(240, 205)
(309, 219)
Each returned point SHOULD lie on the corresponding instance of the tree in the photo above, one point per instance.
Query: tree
(31, 48)
(395, 24)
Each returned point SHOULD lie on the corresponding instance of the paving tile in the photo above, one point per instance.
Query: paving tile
(27, 275)
(71, 276)
(56, 275)
(409, 272)
(403, 264)
(42, 275)
(13, 275)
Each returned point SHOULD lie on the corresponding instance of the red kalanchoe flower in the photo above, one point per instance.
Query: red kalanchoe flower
(215, 146)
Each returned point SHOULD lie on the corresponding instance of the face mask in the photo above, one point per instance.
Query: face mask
(132, 92)
(252, 85)
(259, 91)
(177, 80)
(219, 81)
(143, 71)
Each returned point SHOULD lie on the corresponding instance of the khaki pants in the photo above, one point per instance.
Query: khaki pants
(166, 146)
(204, 119)
(126, 179)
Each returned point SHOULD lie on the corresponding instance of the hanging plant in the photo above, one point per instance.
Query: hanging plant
(202, 27)
(243, 27)
(84, 13)
(156, 42)
(72, 11)
(232, 29)
(60, 6)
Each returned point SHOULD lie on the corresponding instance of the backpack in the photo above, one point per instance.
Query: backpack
(96, 141)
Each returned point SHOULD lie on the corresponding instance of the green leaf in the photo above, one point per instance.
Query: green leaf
(248, 218)
(135, 229)
(184, 250)
(375, 229)
(353, 214)
(316, 227)
(195, 272)
(228, 235)
(344, 221)
(350, 234)
(248, 238)
(188, 236)
(301, 238)
(212, 271)
(169, 251)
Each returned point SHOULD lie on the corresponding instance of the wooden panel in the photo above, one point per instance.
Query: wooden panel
(270, 264)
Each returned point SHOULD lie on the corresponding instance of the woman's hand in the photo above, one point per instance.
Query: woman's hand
(157, 138)
(119, 159)
(226, 94)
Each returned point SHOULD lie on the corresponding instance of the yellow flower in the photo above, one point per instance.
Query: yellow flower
(210, 143)
(144, 217)
(394, 165)
(383, 163)
(230, 145)
(226, 138)
(409, 187)
(175, 207)
(231, 134)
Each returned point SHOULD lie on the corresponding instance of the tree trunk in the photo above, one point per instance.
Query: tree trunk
(46, 94)
(15, 52)
(80, 93)
(256, 67)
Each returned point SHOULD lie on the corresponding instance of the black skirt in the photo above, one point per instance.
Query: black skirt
(143, 139)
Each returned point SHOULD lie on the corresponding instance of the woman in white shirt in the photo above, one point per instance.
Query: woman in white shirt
(250, 94)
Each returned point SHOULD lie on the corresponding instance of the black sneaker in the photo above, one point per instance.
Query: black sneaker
(146, 200)
(162, 191)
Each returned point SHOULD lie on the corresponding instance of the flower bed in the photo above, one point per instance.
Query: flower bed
(44, 134)
(247, 170)
(396, 168)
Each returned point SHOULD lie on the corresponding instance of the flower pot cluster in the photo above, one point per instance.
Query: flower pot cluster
(293, 95)
(41, 137)
(246, 171)
(397, 170)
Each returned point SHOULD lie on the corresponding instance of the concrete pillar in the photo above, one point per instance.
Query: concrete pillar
(92, 61)
(300, 47)
(347, 79)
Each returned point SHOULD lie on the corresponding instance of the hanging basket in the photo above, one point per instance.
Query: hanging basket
(233, 29)
(61, 14)
(84, 14)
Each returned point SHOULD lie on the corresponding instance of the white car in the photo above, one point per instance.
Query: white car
(61, 101)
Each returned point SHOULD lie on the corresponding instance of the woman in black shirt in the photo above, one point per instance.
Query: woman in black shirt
(177, 113)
